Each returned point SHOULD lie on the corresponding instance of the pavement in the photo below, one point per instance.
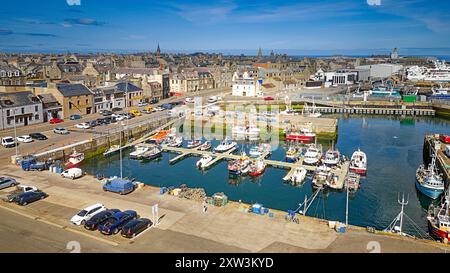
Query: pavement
(183, 226)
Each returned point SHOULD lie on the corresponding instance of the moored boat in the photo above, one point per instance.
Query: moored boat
(332, 157)
(175, 142)
(139, 151)
(429, 181)
(297, 177)
(313, 155)
(260, 150)
(194, 144)
(358, 162)
(323, 177)
(239, 166)
(302, 135)
(112, 150)
(293, 154)
(439, 220)
(204, 161)
(205, 146)
(74, 160)
(225, 146)
(152, 153)
(160, 136)
(257, 168)
(352, 182)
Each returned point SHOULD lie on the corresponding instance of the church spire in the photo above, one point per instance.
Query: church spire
(260, 54)
(158, 51)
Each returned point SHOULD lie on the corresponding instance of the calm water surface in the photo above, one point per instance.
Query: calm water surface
(394, 150)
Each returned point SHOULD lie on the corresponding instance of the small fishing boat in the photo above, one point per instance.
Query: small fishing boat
(160, 136)
(239, 166)
(257, 168)
(204, 161)
(74, 160)
(313, 155)
(358, 163)
(152, 153)
(205, 146)
(352, 182)
(302, 135)
(250, 131)
(332, 157)
(139, 151)
(260, 150)
(297, 177)
(194, 144)
(175, 142)
(439, 220)
(429, 181)
(293, 154)
(225, 146)
(323, 177)
(112, 150)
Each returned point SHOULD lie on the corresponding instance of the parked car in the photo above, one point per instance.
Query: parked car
(445, 139)
(269, 98)
(12, 197)
(61, 131)
(121, 186)
(189, 100)
(56, 120)
(30, 197)
(447, 151)
(99, 218)
(93, 123)
(115, 223)
(135, 113)
(83, 125)
(116, 109)
(24, 139)
(158, 109)
(72, 173)
(38, 136)
(120, 117)
(134, 227)
(75, 117)
(6, 182)
(148, 110)
(154, 101)
(106, 113)
(142, 104)
(8, 142)
(167, 106)
(212, 99)
(86, 214)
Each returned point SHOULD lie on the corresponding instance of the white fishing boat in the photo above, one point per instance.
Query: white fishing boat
(323, 177)
(139, 151)
(260, 150)
(175, 142)
(358, 163)
(204, 161)
(250, 131)
(313, 155)
(293, 154)
(152, 153)
(332, 157)
(352, 182)
(225, 146)
(194, 143)
(297, 177)
(74, 160)
(112, 150)
(205, 146)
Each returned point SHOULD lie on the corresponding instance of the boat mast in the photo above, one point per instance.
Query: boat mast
(346, 207)
(403, 203)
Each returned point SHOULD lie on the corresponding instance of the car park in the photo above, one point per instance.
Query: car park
(56, 120)
(30, 197)
(134, 227)
(83, 125)
(99, 218)
(121, 186)
(86, 214)
(115, 223)
(72, 173)
(8, 142)
(61, 131)
(38, 136)
(75, 117)
(7, 182)
(24, 139)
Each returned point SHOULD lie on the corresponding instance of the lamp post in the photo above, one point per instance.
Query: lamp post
(15, 133)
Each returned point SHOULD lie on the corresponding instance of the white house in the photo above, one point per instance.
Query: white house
(246, 86)
(23, 107)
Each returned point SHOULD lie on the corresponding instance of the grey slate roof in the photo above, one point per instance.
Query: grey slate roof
(17, 99)
(71, 90)
(121, 86)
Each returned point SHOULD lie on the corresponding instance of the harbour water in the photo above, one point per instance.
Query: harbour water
(393, 146)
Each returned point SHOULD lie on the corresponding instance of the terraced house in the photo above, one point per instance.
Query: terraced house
(19, 109)
(11, 75)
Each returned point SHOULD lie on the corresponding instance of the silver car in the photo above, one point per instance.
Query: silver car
(60, 131)
(6, 182)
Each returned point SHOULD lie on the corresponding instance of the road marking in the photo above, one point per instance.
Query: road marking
(61, 227)
(145, 231)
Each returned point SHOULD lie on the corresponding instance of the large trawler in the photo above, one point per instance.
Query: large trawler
(429, 181)
(439, 220)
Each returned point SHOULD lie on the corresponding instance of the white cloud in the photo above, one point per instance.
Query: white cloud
(73, 2)
(374, 2)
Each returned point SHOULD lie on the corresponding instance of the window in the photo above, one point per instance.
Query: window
(8, 113)
(36, 108)
(36, 117)
(78, 102)
(23, 110)
(70, 105)
(87, 101)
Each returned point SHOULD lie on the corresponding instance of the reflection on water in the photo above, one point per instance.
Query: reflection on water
(393, 147)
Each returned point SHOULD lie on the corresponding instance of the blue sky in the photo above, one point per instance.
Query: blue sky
(308, 27)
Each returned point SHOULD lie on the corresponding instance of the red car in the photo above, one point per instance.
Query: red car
(269, 98)
(56, 120)
(445, 139)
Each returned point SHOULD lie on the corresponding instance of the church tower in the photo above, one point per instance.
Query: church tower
(260, 56)
(158, 51)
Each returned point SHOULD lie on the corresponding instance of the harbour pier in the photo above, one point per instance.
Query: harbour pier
(341, 171)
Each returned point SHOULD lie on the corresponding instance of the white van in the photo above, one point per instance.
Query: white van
(72, 173)
(447, 151)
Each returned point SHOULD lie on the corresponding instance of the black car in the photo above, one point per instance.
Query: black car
(134, 227)
(154, 101)
(116, 109)
(92, 224)
(30, 197)
(93, 123)
(107, 113)
(38, 136)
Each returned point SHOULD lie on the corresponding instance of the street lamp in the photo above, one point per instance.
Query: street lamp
(15, 133)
